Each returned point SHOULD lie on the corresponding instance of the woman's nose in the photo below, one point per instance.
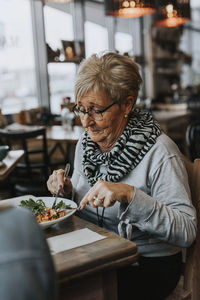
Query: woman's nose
(87, 121)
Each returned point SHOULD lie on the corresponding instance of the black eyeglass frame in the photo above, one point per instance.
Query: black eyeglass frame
(98, 112)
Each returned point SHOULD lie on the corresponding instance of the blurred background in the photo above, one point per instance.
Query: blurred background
(43, 42)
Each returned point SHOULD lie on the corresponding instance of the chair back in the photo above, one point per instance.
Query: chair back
(188, 287)
(193, 139)
(22, 138)
(192, 264)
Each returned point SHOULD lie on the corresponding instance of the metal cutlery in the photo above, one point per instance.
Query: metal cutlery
(66, 172)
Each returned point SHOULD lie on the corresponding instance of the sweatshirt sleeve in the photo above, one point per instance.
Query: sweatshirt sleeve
(167, 213)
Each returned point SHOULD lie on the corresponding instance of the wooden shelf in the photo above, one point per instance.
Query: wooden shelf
(75, 60)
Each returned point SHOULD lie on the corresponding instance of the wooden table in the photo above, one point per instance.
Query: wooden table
(171, 120)
(174, 124)
(64, 140)
(10, 162)
(58, 138)
(89, 272)
(58, 133)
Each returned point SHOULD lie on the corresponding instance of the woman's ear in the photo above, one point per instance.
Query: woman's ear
(129, 103)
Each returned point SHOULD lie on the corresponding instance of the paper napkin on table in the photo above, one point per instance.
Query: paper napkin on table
(72, 240)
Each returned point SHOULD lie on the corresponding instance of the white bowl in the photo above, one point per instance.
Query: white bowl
(48, 202)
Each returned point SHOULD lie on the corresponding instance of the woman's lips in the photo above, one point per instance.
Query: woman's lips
(94, 131)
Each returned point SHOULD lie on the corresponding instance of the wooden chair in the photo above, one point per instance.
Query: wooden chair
(31, 174)
(189, 286)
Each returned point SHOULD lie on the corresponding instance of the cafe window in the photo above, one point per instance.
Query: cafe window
(17, 72)
(61, 73)
(190, 44)
(96, 38)
(124, 43)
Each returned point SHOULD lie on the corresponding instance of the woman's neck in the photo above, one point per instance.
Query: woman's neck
(105, 147)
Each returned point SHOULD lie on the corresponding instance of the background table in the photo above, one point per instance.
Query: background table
(58, 133)
(89, 272)
(64, 141)
(10, 162)
(174, 124)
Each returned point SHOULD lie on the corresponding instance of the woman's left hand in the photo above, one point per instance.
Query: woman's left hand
(105, 194)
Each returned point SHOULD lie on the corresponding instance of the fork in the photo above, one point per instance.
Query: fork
(66, 173)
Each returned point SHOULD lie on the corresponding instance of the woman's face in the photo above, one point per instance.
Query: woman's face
(105, 132)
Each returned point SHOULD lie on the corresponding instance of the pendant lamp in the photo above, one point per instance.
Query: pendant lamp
(58, 1)
(172, 13)
(129, 9)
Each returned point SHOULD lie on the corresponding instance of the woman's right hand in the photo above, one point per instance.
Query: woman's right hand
(56, 180)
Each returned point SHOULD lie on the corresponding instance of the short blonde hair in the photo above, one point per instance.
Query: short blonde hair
(115, 75)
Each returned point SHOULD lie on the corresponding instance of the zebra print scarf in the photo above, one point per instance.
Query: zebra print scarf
(138, 137)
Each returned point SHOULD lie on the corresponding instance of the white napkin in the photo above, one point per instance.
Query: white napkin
(72, 240)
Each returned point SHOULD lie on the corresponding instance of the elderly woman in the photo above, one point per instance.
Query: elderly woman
(129, 176)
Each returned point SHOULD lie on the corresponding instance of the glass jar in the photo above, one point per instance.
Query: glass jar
(67, 119)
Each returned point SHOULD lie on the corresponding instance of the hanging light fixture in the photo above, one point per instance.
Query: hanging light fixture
(129, 9)
(172, 13)
(58, 1)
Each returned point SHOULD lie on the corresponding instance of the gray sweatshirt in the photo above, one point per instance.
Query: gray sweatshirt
(160, 218)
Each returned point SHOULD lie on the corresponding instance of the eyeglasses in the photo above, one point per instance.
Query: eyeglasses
(95, 114)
